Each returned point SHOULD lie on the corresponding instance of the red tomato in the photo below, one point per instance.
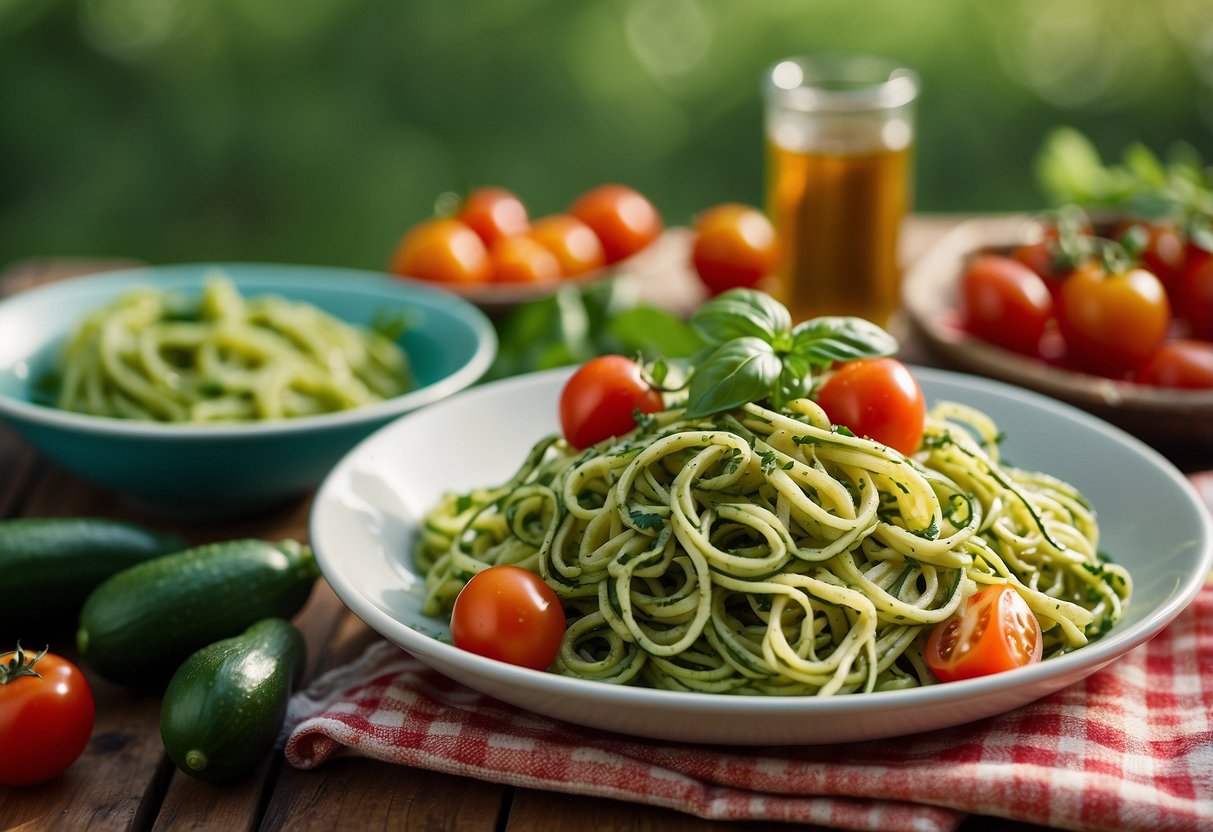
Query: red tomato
(445, 251)
(734, 247)
(1112, 323)
(494, 213)
(624, 220)
(522, 259)
(599, 400)
(1196, 293)
(1180, 363)
(1161, 252)
(46, 716)
(1006, 303)
(573, 242)
(877, 398)
(995, 631)
(509, 614)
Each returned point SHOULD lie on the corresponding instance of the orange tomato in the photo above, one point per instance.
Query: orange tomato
(735, 246)
(442, 250)
(573, 242)
(523, 259)
(1112, 323)
(996, 630)
(624, 220)
(494, 213)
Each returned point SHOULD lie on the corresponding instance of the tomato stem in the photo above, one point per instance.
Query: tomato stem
(19, 666)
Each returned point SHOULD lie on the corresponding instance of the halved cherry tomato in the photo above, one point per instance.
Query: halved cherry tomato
(494, 213)
(599, 400)
(1112, 323)
(996, 630)
(1180, 363)
(442, 250)
(522, 259)
(46, 716)
(735, 246)
(1005, 303)
(509, 614)
(573, 242)
(624, 219)
(878, 398)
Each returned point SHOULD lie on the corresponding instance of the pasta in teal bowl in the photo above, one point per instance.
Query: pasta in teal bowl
(218, 390)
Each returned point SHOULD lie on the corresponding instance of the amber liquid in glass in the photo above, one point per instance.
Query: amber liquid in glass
(838, 216)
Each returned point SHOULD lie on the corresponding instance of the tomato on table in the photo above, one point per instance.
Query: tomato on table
(996, 630)
(442, 250)
(509, 614)
(1182, 363)
(573, 242)
(734, 246)
(878, 398)
(600, 399)
(1005, 303)
(1112, 322)
(494, 213)
(46, 716)
(623, 218)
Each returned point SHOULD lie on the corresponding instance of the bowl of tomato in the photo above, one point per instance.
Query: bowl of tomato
(487, 248)
(1114, 315)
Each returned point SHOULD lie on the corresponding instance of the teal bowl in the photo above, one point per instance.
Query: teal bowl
(230, 469)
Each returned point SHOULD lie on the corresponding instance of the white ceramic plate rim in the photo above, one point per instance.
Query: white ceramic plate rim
(1073, 665)
(353, 282)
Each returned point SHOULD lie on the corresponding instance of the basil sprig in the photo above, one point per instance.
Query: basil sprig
(755, 354)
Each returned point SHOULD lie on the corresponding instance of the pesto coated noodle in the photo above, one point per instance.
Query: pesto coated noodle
(150, 356)
(762, 552)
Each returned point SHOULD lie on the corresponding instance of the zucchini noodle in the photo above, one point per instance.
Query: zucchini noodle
(763, 552)
(152, 355)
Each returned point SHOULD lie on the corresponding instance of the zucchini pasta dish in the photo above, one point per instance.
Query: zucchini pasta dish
(154, 355)
(765, 549)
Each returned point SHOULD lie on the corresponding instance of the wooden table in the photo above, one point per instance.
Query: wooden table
(124, 781)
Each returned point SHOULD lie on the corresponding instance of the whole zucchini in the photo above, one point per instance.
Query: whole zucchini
(225, 705)
(51, 564)
(139, 625)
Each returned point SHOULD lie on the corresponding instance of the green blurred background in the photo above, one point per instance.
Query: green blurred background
(317, 130)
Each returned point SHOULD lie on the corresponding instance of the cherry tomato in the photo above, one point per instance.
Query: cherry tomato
(494, 213)
(522, 259)
(599, 400)
(996, 630)
(509, 614)
(573, 242)
(1180, 363)
(735, 246)
(1005, 303)
(46, 716)
(1160, 249)
(1056, 247)
(1196, 293)
(624, 220)
(877, 398)
(1112, 323)
(442, 250)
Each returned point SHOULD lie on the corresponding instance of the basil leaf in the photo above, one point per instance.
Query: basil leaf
(795, 378)
(653, 332)
(739, 371)
(827, 339)
(740, 313)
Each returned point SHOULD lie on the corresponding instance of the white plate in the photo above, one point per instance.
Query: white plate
(365, 518)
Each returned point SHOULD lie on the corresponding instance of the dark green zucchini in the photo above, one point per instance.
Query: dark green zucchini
(139, 625)
(50, 565)
(225, 705)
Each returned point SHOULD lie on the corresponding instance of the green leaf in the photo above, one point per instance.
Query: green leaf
(653, 332)
(1069, 168)
(739, 371)
(645, 520)
(822, 341)
(795, 379)
(740, 313)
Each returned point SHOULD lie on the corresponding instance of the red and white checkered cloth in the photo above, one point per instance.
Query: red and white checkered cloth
(1131, 747)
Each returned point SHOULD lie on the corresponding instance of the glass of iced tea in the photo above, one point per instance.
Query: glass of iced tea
(839, 139)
